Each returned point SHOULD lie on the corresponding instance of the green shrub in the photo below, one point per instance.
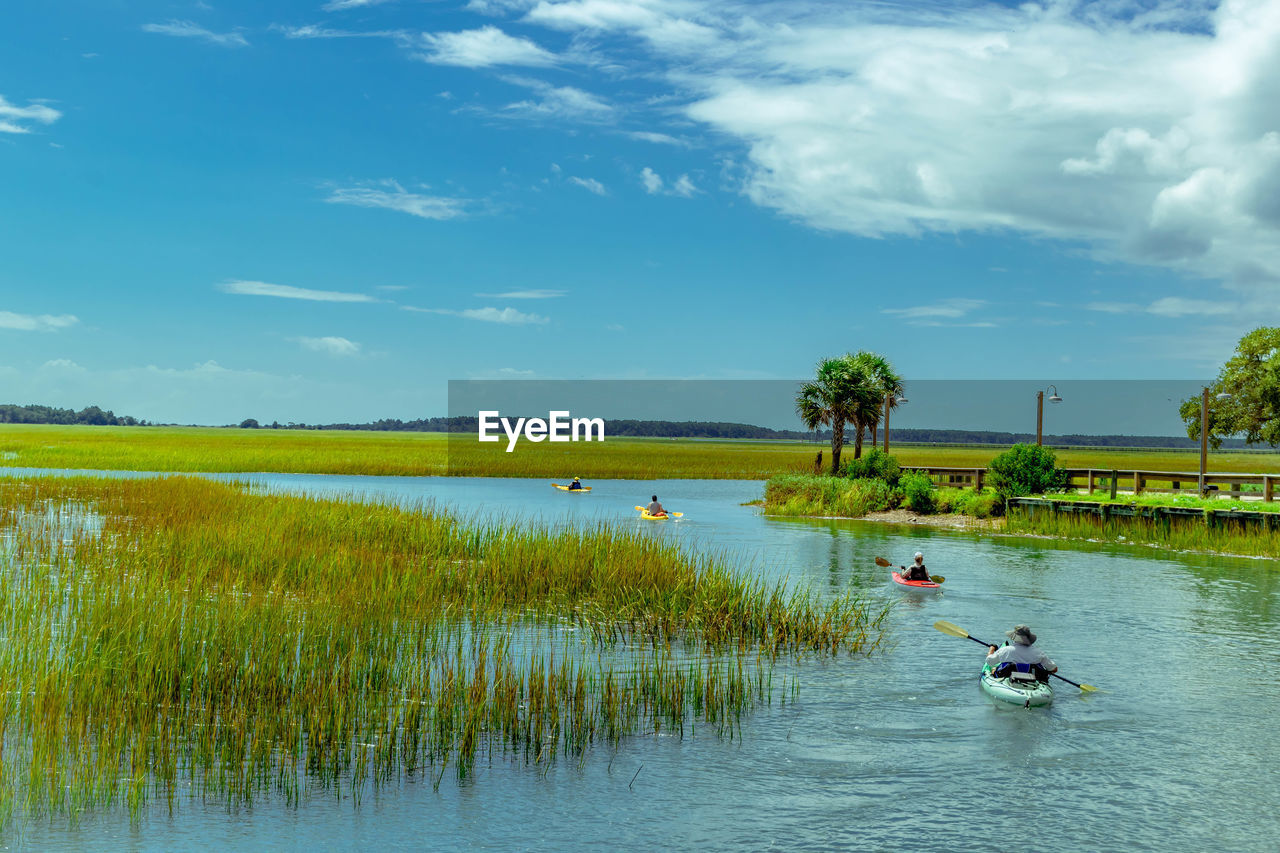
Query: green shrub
(984, 504)
(804, 494)
(1026, 469)
(918, 492)
(875, 464)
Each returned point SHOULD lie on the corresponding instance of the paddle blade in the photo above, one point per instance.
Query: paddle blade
(953, 630)
(1088, 688)
(639, 509)
(676, 514)
(937, 578)
(883, 563)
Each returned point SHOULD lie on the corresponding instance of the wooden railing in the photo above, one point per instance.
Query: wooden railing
(1134, 482)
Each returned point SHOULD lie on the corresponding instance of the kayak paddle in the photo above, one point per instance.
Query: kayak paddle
(885, 564)
(672, 514)
(957, 631)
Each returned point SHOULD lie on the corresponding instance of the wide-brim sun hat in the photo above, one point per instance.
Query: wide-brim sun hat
(1021, 635)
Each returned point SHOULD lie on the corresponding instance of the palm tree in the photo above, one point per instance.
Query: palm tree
(889, 383)
(841, 392)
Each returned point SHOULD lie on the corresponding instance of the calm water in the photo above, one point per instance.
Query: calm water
(897, 751)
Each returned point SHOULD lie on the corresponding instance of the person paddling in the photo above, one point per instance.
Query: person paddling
(916, 571)
(575, 485)
(655, 508)
(1022, 651)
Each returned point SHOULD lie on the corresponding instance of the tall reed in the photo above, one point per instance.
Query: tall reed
(165, 636)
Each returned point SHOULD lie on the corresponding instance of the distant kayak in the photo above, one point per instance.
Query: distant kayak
(567, 489)
(897, 578)
(1028, 694)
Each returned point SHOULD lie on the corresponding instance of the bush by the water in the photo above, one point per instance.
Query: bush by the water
(984, 504)
(806, 494)
(873, 465)
(1026, 469)
(918, 492)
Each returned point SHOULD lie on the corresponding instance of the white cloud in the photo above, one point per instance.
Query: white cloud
(1168, 306)
(1145, 131)
(340, 5)
(683, 187)
(190, 29)
(284, 291)
(36, 322)
(656, 138)
(951, 308)
(483, 48)
(654, 184)
(505, 316)
(391, 196)
(14, 119)
(524, 294)
(557, 102)
(64, 364)
(651, 180)
(315, 31)
(590, 185)
(331, 345)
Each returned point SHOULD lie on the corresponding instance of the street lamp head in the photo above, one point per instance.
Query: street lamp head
(902, 399)
(1055, 398)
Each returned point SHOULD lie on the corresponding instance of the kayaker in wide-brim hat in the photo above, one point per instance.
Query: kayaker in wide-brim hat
(1021, 650)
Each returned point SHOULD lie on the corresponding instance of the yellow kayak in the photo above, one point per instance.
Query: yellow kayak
(644, 513)
(567, 489)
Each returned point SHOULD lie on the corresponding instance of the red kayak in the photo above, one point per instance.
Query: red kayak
(897, 578)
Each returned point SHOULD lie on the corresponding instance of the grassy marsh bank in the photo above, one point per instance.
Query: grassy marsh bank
(220, 450)
(822, 496)
(179, 637)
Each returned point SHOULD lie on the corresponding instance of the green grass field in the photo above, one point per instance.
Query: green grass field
(191, 449)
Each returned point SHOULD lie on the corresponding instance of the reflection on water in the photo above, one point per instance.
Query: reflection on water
(897, 751)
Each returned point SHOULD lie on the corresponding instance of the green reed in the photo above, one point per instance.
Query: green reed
(1222, 536)
(169, 638)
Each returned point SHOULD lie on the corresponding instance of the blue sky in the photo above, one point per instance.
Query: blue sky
(312, 211)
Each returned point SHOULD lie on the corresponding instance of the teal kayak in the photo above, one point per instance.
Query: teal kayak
(1028, 694)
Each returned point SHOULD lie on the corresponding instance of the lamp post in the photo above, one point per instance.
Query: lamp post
(888, 400)
(1204, 434)
(1054, 398)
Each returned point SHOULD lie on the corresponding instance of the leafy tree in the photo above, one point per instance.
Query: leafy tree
(1252, 378)
(841, 390)
(875, 465)
(882, 376)
(249, 423)
(1026, 469)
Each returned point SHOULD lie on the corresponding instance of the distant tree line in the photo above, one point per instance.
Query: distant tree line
(728, 430)
(91, 415)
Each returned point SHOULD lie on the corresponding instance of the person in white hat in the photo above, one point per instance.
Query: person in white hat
(916, 571)
(1021, 649)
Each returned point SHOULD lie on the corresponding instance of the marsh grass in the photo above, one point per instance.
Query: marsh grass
(229, 450)
(1223, 536)
(166, 638)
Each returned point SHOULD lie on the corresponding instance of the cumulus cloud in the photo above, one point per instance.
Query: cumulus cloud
(190, 29)
(285, 291)
(391, 196)
(36, 322)
(590, 185)
(1145, 131)
(331, 345)
(654, 184)
(483, 48)
(505, 316)
(16, 119)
